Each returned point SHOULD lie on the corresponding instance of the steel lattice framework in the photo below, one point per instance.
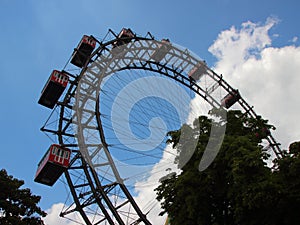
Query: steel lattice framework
(93, 182)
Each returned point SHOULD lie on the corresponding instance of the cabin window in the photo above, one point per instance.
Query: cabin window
(60, 153)
(65, 78)
(66, 154)
(54, 150)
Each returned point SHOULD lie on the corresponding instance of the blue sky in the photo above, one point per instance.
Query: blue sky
(39, 36)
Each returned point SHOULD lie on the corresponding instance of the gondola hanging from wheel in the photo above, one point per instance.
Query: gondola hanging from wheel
(100, 193)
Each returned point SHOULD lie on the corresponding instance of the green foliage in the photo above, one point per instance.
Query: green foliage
(238, 188)
(286, 177)
(18, 206)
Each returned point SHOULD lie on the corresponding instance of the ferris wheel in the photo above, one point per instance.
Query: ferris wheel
(112, 107)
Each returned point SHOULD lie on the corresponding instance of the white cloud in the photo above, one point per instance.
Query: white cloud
(234, 46)
(146, 197)
(294, 39)
(53, 217)
(267, 77)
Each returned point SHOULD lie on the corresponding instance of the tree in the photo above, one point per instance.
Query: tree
(238, 188)
(286, 178)
(18, 206)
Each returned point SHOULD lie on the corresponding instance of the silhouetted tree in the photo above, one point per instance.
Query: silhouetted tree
(18, 206)
(238, 188)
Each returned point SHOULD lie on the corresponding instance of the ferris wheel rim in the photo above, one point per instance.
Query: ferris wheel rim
(104, 47)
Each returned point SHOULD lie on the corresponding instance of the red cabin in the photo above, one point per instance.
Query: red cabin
(263, 133)
(83, 51)
(230, 99)
(198, 71)
(52, 165)
(124, 37)
(53, 89)
(163, 48)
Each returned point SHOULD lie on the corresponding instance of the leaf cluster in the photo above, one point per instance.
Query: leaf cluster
(238, 188)
(17, 205)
